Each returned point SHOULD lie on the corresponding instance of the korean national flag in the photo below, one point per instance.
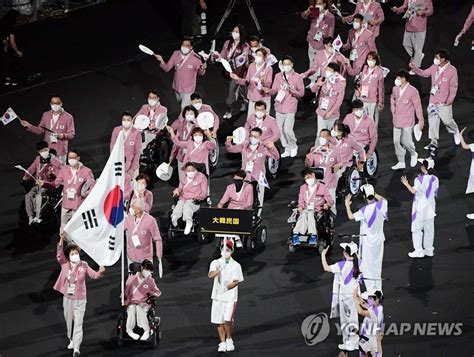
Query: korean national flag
(262, 180)
(337, 43)
(9, 116)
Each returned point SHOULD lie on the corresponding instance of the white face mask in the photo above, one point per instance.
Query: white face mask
(56, 107)
(356, 25)
(152, 102)
(198, 106)
(44, 154)
(225, 254)
(398, 82)
(131, 211)
(323, 141)
(126, 124)
(146, 273)
(335, 133)
(72, 162)
(185, 50)
(371, 63)
(259, 115)
(74, 258)
(235, 35)
(258, 59)
(254, 141)
(436, 61)
(310, 182)
(254, 49)
(320, 7)
(358, 113)
(197, 139)
(189, 117)
(190, 174)
(287, 68)
(328, 74)
(140, 187)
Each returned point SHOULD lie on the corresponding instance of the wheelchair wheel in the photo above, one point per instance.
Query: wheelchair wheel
(259, 239)
(273, 166)
(372, 164)
(214, 156)
(155, 338)
(353, 181)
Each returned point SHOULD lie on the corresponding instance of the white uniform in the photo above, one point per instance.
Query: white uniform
(371, 245)
(371, 326)
(470, 183)
(423, 213)
(224, 301)
(343, 304)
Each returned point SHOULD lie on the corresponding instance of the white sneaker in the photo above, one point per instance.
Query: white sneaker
(145, 336)
(227, 115)
(285, 154)
(470, 216)
(416, 254)
(398, 166)
(229, 345)
(294, 152)
(174, 220)
(71, 345)
(414, 160)
(457, 138)
(222, 347)
(31, 220)
(352, 346)
(133, 335)
(428, 253)
(187, 229)
(342, 346)
(238, 243)
(411, 73)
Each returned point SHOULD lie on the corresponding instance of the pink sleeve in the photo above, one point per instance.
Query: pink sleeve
(469, 21)
(154, 289)
(359, 148)
(267, 81)
(300, 87)
(380, 15)
(128, 289)
(70, 130)
(210, 145)
(373, 135)
(60, 255)
(155, 232)
(402, 8)
(453, 87)
(273, 153)
(276, 86)
(301, 199)
(224, 51)
(179, 143)
(203, 189)
(249, 200)
(170, 64)
(92, 273)
(348, 44)
(202, 69)
(244, 81)
(381, 90)
(418, 109)
(340, 96)
(137, 150)
(113, 138)
(429, 9)
(392, 101)
(225, 198)
(36, 129)
(371, 43)
(149, 201)
(331, 26)
(31, 169)
(350, 70)
(233, 148)
(216, 119)
(425, 72)
(276, 133)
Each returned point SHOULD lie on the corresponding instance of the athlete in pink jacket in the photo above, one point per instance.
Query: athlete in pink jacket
(373, 15)
(238, 195)
(362, 128)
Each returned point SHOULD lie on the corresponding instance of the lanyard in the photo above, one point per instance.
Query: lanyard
(138, 286)
(357, 122)
(252, 152)
(183, 61)
(320, 18)
(438, 74)
(369, 74)
(308, 195)
(186, 132)
(69, 273)
(54, 121)
(73, 179)
(402, 91)
(232, 50)
(195, 148)
(137, 224)
(357, 36)
(188, 181)
(258, 70)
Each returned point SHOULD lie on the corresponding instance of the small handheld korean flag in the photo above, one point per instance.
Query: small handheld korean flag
(262, 180)
(9, 116)
(337, 43)
(97, 226)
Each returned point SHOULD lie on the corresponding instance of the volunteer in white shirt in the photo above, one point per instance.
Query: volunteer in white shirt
(227, 274)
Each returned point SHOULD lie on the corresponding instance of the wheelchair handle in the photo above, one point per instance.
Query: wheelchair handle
(351, 235)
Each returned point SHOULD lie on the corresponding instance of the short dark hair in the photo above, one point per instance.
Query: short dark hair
(75, 151)
(308, 171)
(187, 38)
(147, 265)
(357, 103)
(56, 96)
(190, 163)
(197, 130)
(257, 130)
(252, 38)
(127, 114)
(240, 173)
(153, 91)
(443, 54)
(143, 176)
(195, 95)
(262, 51)
(325, 130)
(343, 128)
(359, 16)
(69, 248)
(190, 108)
(375, 56)
(287, 57)
(403, 73)
(335, 66)
(260, 103)
(328, 40)
(40, 145)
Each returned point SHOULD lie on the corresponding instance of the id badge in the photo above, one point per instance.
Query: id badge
(318, 36)
(71, 289)
(280, 96)
(310, 206)
(364, 91)
(71, 193)
(136, 241)
(325, 104)
(53, 138)
(353, 56)
(249, 166)
(184, 151)
(434, 90)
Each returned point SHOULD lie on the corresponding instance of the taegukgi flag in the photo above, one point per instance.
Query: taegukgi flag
(97, 226)
(9, 116)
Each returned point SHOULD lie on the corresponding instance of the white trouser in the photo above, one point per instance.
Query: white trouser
(183, 99)
(149, 137)
(33, 201)
(325, 124)
(372, 110)
(180, 169)
(185, 209)
(260, 198)
(423, 237)
(371, 265)
(74, 311)
(137, 315)
(445, 113)
(66, 215)
(306, 223)
(413, 43)
(349, 319)
(332, 192)
(311, 55)
(251, 106)
(403, 141)
(286, 123)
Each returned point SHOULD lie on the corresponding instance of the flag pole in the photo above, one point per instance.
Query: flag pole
(122, 269)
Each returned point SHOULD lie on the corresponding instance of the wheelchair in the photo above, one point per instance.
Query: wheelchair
(214, 156)
(325, 226)
(273, 166)
(153, 319)
(156, 152)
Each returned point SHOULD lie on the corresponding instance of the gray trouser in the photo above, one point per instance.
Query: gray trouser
(311, 55)
(251, 107)
(33, 201)
(403, 141)
(235, 90)
(445, 113)
(286, 122)
(413, 43)
(185, 209)
(306, 223)
(183, 99)
(66, 215)
(74, 311)
(325, 124)
(372, 110)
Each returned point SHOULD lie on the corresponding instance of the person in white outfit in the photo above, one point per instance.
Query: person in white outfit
(470, 183)
(227, 275)
(346, 279)
(372, 218)
(425, 191)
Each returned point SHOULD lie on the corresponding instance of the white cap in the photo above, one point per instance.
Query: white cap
(352, 247)
(368, 189)
(430, 161)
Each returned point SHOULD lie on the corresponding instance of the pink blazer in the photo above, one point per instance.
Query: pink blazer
(325, 27)
(264, 75)
(205, 108)
(404, 108)
(371, 84)
(152, 113)
(137, 293)
(186, 71)
(147, 231)
(148, 195)
(238, 200)
(258, 158)
(319, 197)
(64, 125)
(333, 93)
(239, 57)
(363, 45)
(374, 10)
(469, 20)
(293, 81)
(346, 147)
(77, 276)
(326, 158)
(132, 147)
(447, 83)
(269, 126)
(198, 154)
(83, 178)
(194, 190)
(42, 171)
(183, 132)
(416, 23)
(321, 61)
(365, 133)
